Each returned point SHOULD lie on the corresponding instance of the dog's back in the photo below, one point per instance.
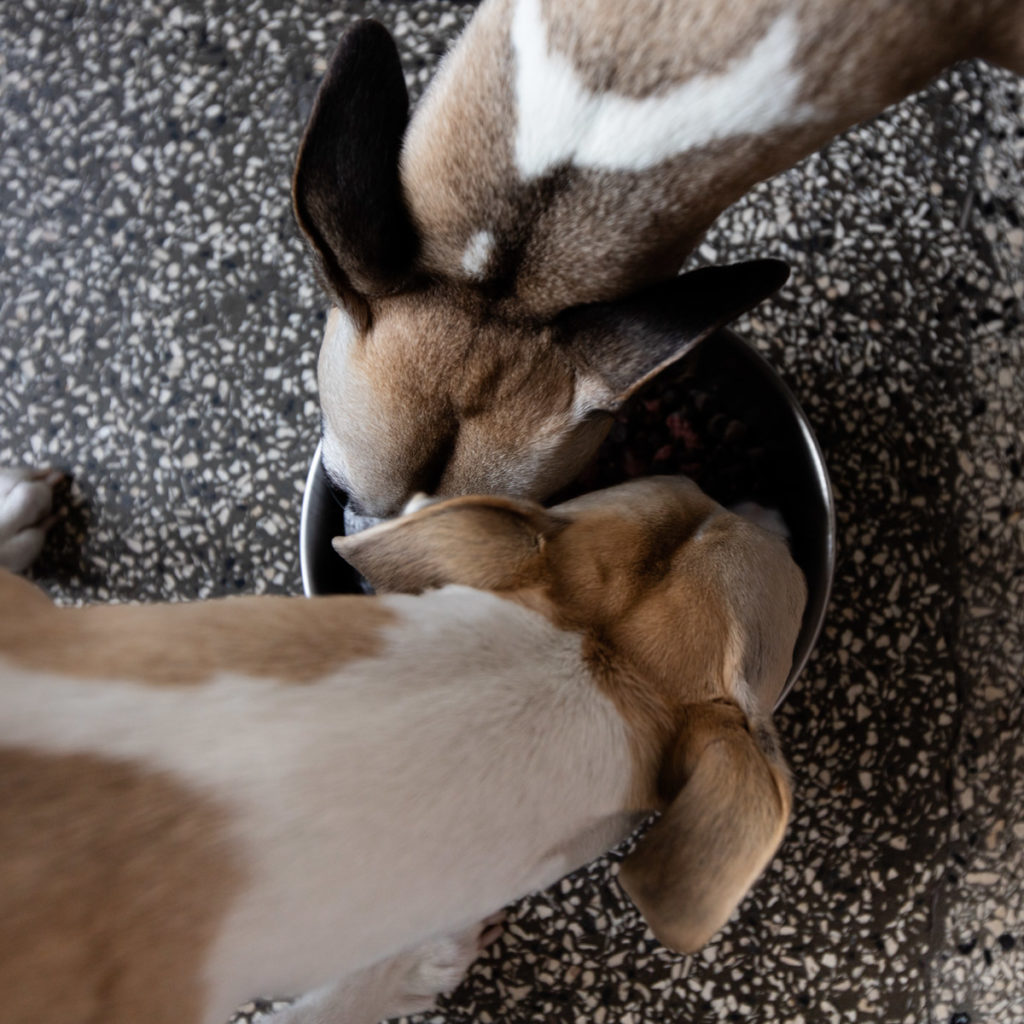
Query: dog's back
(177, 791)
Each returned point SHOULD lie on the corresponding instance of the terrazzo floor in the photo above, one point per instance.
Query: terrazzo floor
(159, 336)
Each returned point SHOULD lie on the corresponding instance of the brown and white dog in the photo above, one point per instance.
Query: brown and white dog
(491, 261)
(203, 801)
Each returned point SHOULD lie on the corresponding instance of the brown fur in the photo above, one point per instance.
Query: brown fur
(731, 801)
(688, 613)
(593, 236)
(267, 637)
(456, 429)
(80, 903)
(461, 345)
(715, 597)
(647, 47)
(641, 50)
(447, 217)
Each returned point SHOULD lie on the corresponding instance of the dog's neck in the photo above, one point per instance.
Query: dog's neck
(680, 118)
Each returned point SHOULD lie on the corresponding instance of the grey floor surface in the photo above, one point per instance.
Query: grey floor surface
(159, 334)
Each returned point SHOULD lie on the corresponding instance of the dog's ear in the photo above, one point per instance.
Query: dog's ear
(726, 820)
(768, 599)
(622, 345)
(346, 189)
(487, 542)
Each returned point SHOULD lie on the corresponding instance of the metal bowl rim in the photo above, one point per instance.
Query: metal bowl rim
(809, 632)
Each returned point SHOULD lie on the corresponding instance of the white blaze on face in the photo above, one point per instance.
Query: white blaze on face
(561, 121)
(477, 253)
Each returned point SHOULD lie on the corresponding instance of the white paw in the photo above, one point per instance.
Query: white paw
(438, 967)
(26, 500)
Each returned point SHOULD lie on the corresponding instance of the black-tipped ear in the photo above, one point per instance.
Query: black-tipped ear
(626, 343)
(346, 187)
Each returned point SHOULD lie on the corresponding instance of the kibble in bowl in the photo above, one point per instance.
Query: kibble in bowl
(722, 416)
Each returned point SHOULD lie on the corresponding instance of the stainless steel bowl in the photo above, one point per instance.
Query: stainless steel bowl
(809, 511)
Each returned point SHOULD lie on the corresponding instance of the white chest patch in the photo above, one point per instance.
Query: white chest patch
(560, 121)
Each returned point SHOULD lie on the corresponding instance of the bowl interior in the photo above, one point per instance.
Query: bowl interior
(803, 494)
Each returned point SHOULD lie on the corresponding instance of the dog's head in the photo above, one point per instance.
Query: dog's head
(435, 376)
(689, 615)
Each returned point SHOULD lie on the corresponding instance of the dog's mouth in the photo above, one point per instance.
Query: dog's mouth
(354, 517)
(355, 522)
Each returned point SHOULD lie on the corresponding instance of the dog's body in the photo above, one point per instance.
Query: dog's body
(201, 802)
(305, 827)
(492, 265)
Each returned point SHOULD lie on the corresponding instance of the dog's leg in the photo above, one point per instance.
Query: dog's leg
(26, 499)
(402, 985)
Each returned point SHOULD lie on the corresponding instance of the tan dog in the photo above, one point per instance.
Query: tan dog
(567, 155)
(199, 802)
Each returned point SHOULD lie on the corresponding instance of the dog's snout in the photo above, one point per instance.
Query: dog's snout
(369, 510)
(353, 506)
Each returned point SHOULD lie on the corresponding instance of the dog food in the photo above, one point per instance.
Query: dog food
(709, 419)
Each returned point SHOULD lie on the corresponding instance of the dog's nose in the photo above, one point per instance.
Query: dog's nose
(353, 507)
(370, 509)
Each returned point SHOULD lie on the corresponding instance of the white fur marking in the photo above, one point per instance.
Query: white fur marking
(560, 121)
(477, 254)
(340, 328)
(476, 729)
(26, 497)
(340, 332)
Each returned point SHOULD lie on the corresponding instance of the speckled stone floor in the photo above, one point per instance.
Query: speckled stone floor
(159, 332)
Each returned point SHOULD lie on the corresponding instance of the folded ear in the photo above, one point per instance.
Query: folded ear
(622, 345)
(486, 542)
(698, 860)
(346, 188)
